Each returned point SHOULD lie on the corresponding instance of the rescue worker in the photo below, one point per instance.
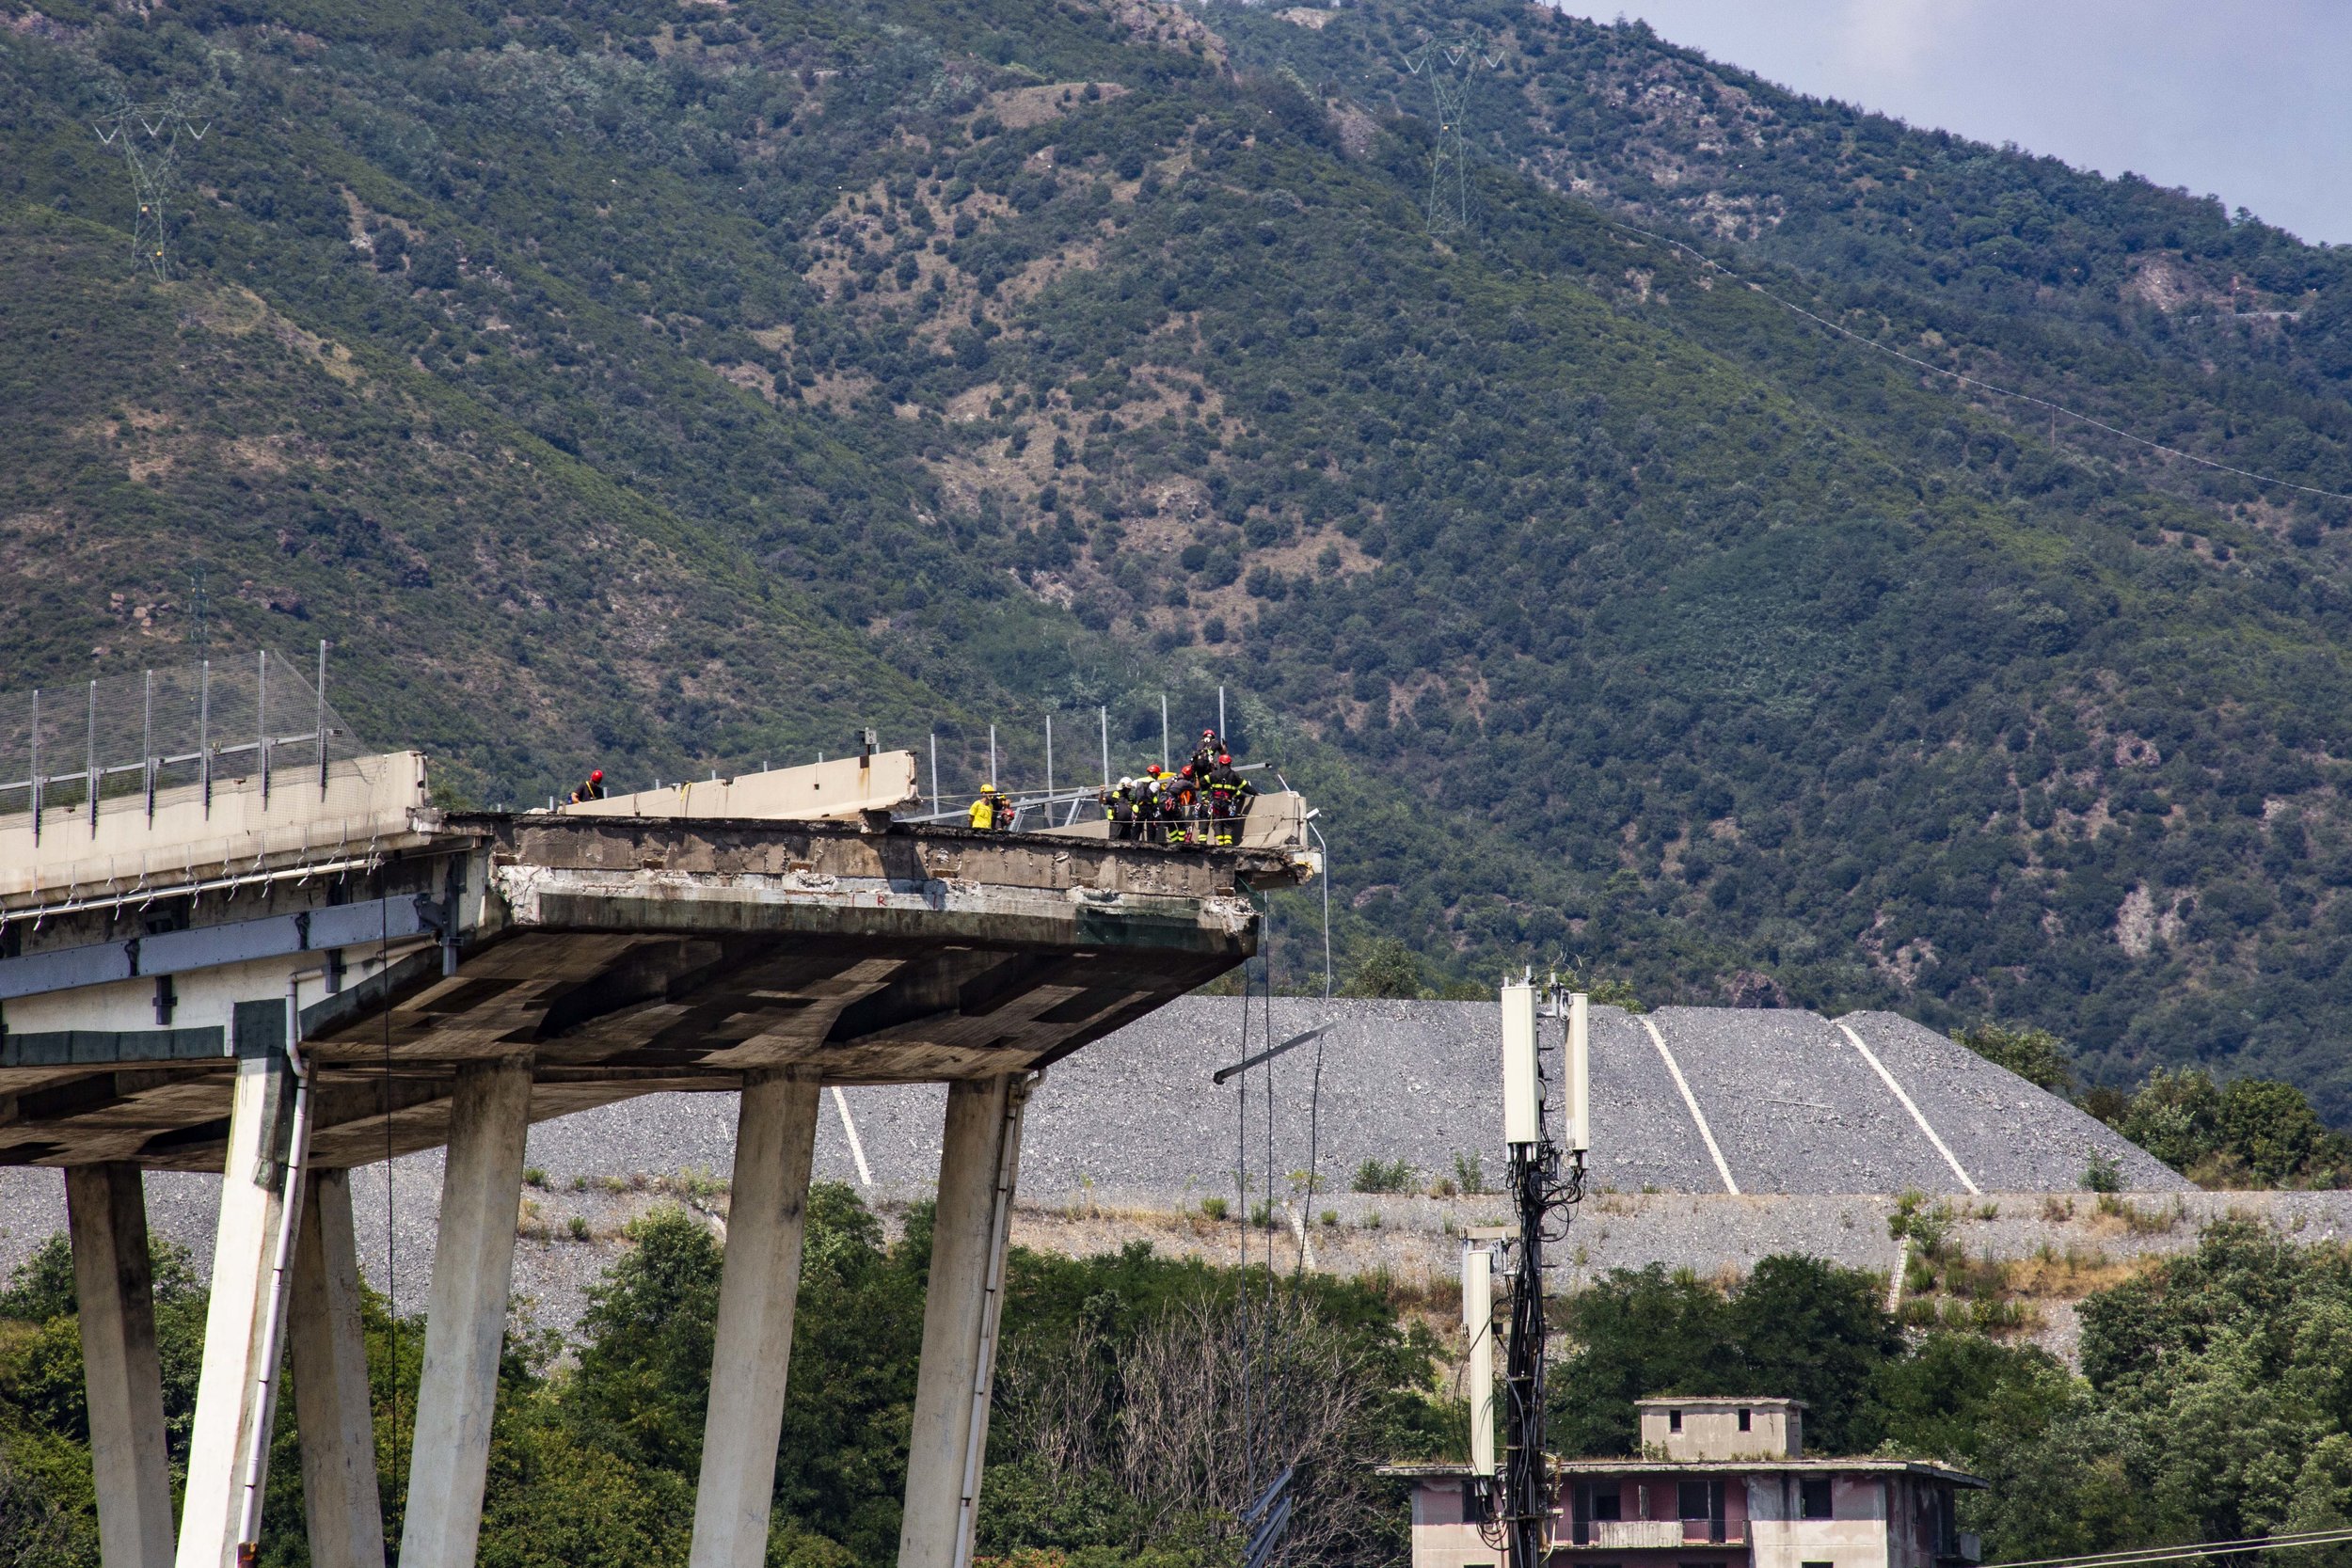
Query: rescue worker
(1183, 804)
(1119, 806)
(1229, 797)
(990, 812)
(590, 789)
(1151, 810)
(1205, 755)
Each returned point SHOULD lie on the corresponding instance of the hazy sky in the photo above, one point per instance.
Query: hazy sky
(2247, 100)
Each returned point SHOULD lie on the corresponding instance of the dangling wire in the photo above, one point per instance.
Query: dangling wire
(391, 1229)
(1241, 1215)
(1266, 1329)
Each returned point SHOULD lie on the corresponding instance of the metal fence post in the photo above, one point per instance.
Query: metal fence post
(320, 724)
(89, 756)
(261, 721)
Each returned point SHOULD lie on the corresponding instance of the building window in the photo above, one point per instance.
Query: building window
(1817, 1565)
(1474, 1506)
(1743, 1421)
(1673, 1421)
(1607, 1501)
(1813, 1492)
(1704, 1499)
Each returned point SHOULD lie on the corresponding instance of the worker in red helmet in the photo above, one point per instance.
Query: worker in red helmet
(1229, 797)
(590, 789)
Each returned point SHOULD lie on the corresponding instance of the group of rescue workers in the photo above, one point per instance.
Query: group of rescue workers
(1199, 803)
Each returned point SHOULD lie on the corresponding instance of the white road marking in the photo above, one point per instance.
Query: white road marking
(1699, 1117)
(857, 1149)
(1888, 1079)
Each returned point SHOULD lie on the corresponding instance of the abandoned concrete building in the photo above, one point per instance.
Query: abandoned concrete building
(1719, 1483)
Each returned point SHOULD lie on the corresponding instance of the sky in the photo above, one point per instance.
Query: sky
(2247, 100)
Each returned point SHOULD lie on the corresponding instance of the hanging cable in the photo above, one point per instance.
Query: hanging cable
(391, 1278)
(1966, 380)
(1241, 1216)
(1314, 1091)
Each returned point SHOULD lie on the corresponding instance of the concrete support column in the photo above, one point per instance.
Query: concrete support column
(331, 1378)
(229, 1400)
(114, 1286)
(473, 1268)
(977, 1164)
(775, 1138)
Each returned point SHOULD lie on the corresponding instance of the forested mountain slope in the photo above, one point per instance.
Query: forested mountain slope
(681, 386)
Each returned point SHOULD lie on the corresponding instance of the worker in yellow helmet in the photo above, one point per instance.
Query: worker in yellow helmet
(990, 812)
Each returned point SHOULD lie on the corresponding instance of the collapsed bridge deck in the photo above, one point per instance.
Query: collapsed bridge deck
(623, 955)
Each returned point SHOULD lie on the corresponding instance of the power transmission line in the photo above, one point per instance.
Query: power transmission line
(149, 136)
(2192, 1549)
(1964, 379)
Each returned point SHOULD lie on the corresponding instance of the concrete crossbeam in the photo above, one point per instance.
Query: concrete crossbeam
(113, 1287)
(474, 1266)
(231, 1396)
(977, 1164)
(345, 1512)
(775, 1143)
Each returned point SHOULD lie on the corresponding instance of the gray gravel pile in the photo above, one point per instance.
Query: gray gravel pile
(1133, 1122)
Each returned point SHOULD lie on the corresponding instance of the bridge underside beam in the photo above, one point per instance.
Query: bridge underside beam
(628, 957)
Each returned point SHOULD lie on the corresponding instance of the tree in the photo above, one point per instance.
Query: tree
(2034, 1054)
(1387, 970)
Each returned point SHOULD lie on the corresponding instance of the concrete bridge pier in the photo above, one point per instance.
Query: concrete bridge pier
(473, 1269)
(344, 1509)
(978, 1161)
(775, 1142)
(233, 1390)
(114, 1288)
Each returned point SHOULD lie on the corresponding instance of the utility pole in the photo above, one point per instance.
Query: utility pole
(1522, 1506)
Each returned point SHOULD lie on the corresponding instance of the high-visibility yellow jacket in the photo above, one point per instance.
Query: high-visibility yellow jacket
(983, 813)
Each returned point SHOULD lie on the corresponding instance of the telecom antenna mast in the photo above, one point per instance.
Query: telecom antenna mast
(1521, 1509)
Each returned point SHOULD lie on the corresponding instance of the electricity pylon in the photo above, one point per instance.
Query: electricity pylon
(1448, 66)
(152, 163)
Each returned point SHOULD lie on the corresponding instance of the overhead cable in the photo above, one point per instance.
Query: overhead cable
(1966, 380)
(2192, 1549)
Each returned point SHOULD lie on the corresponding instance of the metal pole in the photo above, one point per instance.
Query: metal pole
(1049, 756)
(261, 720)
(204, 731)
(37, 764)
(89, 756)
(992, 754)
(1103, 715)
(1220, 715)
(147, 745)
(934, 772)
(1163, 732)
(319, 724)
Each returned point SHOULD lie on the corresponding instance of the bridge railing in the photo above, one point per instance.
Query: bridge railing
(65, 752)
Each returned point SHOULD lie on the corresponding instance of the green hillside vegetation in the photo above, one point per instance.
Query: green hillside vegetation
(597, 1442)
(675, 387)
(2211, 1401)
(2210, 1405)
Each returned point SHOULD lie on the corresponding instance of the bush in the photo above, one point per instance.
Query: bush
(1385, 1175)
